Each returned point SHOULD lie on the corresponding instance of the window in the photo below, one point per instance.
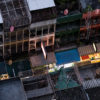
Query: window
(39, 31)
(25, 46)
(51, 29)
(1, 51)
(45, 30)
(20, 35)
(26, 33)
(1, 27)
(1, 39)
(50, 41)
(38, 44)
(33, 32)
(7, 37)
(7, 50)
(13, 49)
(19, 47)
(13, 36)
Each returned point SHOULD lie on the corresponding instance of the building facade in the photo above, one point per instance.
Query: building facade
(24, 27)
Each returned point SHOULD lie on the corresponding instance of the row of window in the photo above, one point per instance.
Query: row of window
(24, 34)
(42, 31)
(20, 47)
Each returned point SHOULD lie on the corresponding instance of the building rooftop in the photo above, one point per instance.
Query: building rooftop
(40, 4)
(18, 16)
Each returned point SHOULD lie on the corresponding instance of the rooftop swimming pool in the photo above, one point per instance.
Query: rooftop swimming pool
(68, 56)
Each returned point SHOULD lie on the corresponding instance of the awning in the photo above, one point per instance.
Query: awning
(85, 50)
(40, 4)
(39, 60)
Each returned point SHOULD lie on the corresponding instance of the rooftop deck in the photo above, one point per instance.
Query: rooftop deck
(12, 89)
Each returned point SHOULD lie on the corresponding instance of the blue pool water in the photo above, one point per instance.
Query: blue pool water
(68, 56)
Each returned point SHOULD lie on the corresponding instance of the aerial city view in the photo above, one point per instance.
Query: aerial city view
(49, 49)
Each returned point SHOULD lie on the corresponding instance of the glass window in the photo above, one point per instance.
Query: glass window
(39, 31)
(13, 49)
(7, 37)
(51, 29)
(19, 47)
(13, 36)
(45, 30)
(20, 35)
(25, 46)
(26, 33)
(38, 45)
